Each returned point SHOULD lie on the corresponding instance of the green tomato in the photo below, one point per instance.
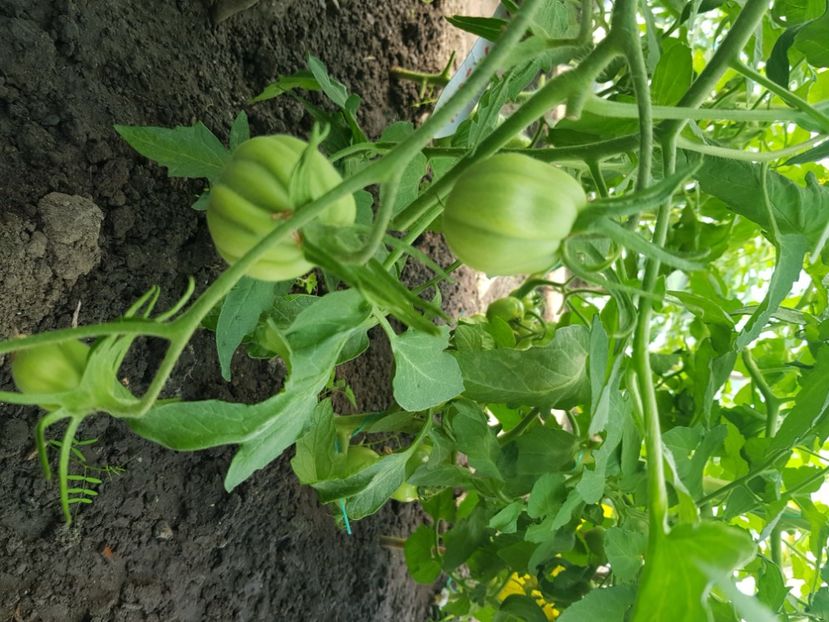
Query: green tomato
(358, 458)
(53, 368)
(252, 197)
(508, 214)
(406, 493)
(507, 309)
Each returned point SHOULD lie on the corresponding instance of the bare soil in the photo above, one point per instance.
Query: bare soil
(87, 226)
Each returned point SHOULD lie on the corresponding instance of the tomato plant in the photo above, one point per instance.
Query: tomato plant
(658, 451)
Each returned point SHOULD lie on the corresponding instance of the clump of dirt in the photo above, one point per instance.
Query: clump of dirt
(87, 226)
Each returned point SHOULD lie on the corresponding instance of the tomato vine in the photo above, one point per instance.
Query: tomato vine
(640, 457)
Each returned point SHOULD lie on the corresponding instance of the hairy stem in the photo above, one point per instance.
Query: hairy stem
(744, 26)
(623, 110)
(747, 156)
(785, 94)
(772, 410)
(148, 328)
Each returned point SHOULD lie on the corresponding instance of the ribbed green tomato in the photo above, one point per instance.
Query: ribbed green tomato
(508, 214)
(252, 197)
(53, 368)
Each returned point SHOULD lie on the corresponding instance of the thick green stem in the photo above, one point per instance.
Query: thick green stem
(623, 110)
(785, 94)
(148, 328)
(585, 22)
(626, 27)
(744, 26)
(519, 429)
(771, 400)
(639, 75)
(747, 156)
(772, 411)
(657, 491)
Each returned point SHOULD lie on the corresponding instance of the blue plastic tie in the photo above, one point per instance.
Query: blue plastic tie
(345, 517)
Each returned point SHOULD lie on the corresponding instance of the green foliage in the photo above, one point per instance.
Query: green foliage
(656, 452)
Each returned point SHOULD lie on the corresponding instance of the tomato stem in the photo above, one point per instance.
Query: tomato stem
(149, 328)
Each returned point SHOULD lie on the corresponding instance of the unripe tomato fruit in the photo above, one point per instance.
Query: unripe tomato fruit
(252, 197)
(358, 458)
(507, 309)
(52, 368)
(406, 493)
(507, 214)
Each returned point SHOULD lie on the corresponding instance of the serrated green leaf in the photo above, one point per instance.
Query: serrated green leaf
(787, 270)
(425, 374)
(265, 430)
(419, 552)
(607, 604)
(240, 313)
(544, 451)
(464, 538)
(367, 490)
(673, 74)
(813, 41)
(239, 131)
(506, 520)
(316, 457)
(777, 65)
(682, 568)
(192, 151)
(519, 608)
(625, 549)
(300, 80)
(335, 90)
(476, 439)
(802, 211)
(489, 28)
(547, 495)
(810, 406)
(553, 375)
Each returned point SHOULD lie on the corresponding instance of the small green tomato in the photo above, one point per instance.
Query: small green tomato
(406, 493)
(252, 197)
(358, 458)
(507, 309)
(52, 368)
(508, 214)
